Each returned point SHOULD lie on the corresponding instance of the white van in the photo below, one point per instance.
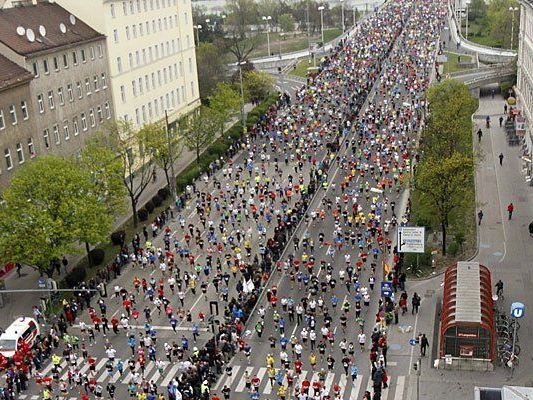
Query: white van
(22, 330)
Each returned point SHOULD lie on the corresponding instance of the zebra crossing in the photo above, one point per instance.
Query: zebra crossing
(350, 390)
(161, 375)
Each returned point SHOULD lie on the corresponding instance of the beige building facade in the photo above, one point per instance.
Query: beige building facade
(66, 96)
(151, 49)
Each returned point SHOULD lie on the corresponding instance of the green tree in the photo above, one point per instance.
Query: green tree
(50, 204)
(137, 164)
(441, 183)
(449, 126)
(165, 147)
(286, 23)
(477, 10)
(225, 102)
(199, 129)
(258, 85)
(105, 171)
(501, 22)
(211, 65)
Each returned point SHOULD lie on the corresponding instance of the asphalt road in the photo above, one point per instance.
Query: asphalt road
(200, 303)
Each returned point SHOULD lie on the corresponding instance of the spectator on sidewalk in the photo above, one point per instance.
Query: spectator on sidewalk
(501, 158)
(424, 343)
(479, 216)
(510, 209)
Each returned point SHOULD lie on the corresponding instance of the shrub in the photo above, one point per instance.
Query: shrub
(118, 237)
(149, 206)
(142, 214)
(157, 201)
(96, 256)
(76, 276)
(453, 249)
(163, 193)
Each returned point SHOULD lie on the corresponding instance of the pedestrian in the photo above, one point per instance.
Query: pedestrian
(501, 158)
(479, 217)
(510, 209)
(424, 343)
(501, 121)
(479, 134)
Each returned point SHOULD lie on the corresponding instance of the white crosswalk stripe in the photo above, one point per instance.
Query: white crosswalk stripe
(349, 390)
(157, 374)
(171, 374)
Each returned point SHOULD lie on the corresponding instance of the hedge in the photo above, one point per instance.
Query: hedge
(142, 214)
(163, 193)
(76, 276)
(118, 237)
(149, 206)
(157, 200)
(96, 256)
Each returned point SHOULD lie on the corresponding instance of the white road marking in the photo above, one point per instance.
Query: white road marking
(354, 395)
(242, 383)
(400, 384)
(170, 375)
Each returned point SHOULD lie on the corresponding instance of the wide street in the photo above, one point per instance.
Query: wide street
(331, 269)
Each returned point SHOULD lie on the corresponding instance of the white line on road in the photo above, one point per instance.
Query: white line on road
(342, 383)
(157, 374)
(170, 375)
(398, 395)
(242, 383)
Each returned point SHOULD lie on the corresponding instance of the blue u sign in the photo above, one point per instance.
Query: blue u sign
(518, 310)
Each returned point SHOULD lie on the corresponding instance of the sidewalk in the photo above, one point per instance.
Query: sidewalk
(505, 247)
(29, 280)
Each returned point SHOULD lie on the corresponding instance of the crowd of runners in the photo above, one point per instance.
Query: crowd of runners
(348, 136)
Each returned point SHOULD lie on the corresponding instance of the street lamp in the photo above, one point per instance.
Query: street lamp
(171, 157)
(321, 9)
(466, 28)
(353, 14)
(512, 9)
(342, 14)
(267, 20)
(197, 27)
(240, 64)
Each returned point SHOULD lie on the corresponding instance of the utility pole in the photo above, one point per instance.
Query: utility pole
(342, 15)
(171, 157)
(353, 15)
(466, 30)
(308, 29)
(512, 9)
(242, 96)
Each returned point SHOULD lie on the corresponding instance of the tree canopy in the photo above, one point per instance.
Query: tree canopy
(51, 204)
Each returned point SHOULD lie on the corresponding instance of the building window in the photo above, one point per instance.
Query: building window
(40, 102)
(46, 138)
(60, 96)
(83, 57)
(91, 49)
(83, 122)
(141, 90)
(45, 67)
(150, 112)
(31, 150)
(66, 130)
(107, 110)
(20, 153)
(74, 58)
(56, 134)
(13, 114)
(119, 64)
(65, 61)
(112, 8)
(134, 31)
(24, 108)
(51, 100)
(70, 93)
(147, 83)
(99, 114)
(123, 93)
(137, 116)
(128, 32)
(134, 88)
(78, 89)
(36, 69)
(9, 162)
(104, 81)
(130, 58)
(132, 9)
(100, 51)
(124, 8)
(56, 64)
(91, 118)
(115, 35)
(144, 113)
(75, 125)
(88, 86)
(95, 83)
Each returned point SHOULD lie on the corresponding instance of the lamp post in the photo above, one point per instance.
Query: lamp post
(321, 9)
(240, 64)
(197, 27)
(512, 9)
(171, 157)
(308, 29)
(342, 14)
(466, 21)
(353, 14)
(267, 20)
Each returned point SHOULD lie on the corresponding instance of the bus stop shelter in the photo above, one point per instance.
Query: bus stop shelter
(467, 331)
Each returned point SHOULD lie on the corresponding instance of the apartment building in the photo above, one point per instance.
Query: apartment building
(525, 75)
(66, 90)
(151, 51)
(17, 121)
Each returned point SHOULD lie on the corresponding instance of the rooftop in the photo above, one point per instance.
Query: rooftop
(11, 73)
(42, 27)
